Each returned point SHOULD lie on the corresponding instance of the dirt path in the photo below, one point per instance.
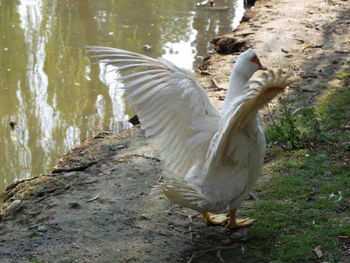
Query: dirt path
(107, 209)
(309, 39)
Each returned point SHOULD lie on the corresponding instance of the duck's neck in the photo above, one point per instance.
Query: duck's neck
(237, 85)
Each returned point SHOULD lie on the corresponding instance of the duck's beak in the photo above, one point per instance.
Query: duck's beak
(257, 61)
(260, 66)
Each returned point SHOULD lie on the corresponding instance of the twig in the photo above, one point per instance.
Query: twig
(145, 156)
(47, 191)
(87, 182)
(218, 255)
(72, 169)
(216, 84)
(93, 198)
(281, 214)
(190, 218)
(190, 227)
(190, 232)
(342, 52)
(201, 253)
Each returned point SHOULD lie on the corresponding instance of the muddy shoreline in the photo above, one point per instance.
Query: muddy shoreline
(100, 205)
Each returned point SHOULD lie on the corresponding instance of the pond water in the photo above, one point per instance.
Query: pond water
(55, 96)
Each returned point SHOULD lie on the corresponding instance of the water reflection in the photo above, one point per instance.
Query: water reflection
(120, 117)
(182, 52)
(52, 91)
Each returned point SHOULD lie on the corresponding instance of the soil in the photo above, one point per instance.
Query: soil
(101, 202)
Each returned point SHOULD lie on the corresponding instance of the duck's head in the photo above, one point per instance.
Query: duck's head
(248, 63)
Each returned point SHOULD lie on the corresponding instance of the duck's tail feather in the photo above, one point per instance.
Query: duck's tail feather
(183, 194)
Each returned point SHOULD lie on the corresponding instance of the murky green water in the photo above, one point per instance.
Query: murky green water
(56, 95)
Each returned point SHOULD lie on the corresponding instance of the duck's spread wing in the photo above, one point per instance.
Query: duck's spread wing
(172, 106)
(227, 142)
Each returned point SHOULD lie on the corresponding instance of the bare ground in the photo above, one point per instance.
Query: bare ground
(100, 204)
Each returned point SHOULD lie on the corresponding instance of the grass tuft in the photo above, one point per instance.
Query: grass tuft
(307, 201)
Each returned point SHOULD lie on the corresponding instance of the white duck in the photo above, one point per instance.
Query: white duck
(213, 159)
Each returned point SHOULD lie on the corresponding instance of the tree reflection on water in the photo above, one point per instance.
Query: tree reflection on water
(53, 92)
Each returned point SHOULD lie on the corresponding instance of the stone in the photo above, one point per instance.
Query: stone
(229, 45)
(41, 228)
(145, 217)
(72, 204)
(226, 241)
(240, 234)
(70, 174)
(13, 206)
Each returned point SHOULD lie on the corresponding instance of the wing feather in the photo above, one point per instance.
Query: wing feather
(243, 108)
(137, 75)
(173, 108)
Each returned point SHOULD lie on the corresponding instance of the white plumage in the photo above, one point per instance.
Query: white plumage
(212, 158)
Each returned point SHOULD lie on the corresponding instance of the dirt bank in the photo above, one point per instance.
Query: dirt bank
(100, 204)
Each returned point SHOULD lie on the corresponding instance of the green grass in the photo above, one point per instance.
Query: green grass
(344, 75)
(305, 204)
(27, 218)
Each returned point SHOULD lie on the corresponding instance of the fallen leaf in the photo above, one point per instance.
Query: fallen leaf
(305, 47)
(332, 195)
(340, 196)
(347, 159)
(318, 251)
(345, 126)
(338, 165)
